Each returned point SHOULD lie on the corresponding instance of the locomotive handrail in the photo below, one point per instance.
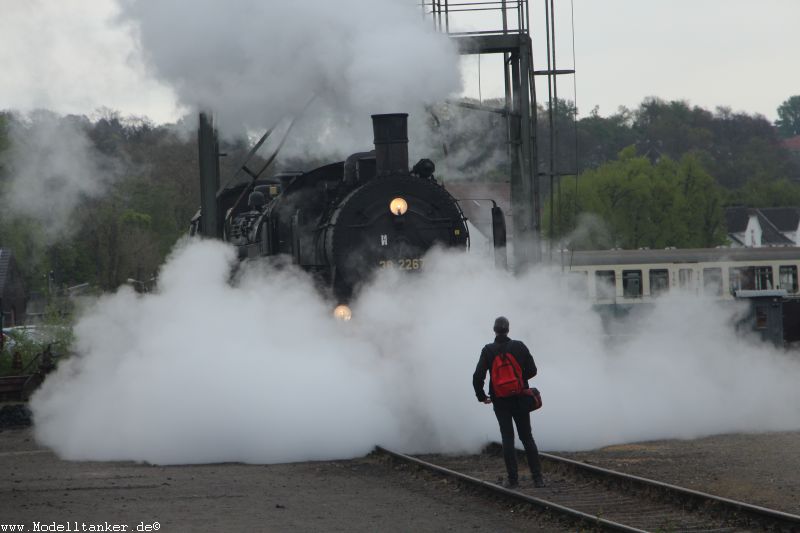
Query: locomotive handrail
(442, 221)
(494, 203)
(246, 159)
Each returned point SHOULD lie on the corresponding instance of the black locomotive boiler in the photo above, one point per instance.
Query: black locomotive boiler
(344, 220)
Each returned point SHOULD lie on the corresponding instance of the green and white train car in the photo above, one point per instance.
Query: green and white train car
(637, 276)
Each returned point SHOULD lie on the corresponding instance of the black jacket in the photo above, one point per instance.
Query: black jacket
(501, 344)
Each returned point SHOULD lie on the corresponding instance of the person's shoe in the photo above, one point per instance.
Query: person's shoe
(538, 482)
(510, 484)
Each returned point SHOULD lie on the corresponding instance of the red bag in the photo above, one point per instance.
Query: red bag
(532, 399)
(506, 376)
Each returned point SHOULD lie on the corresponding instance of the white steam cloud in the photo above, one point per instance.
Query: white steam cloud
(53, 166)
(258, 371)
(254, 61)
(71, 57)
(472, 143)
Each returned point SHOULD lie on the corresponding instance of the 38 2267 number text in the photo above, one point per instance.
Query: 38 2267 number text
(401, 264)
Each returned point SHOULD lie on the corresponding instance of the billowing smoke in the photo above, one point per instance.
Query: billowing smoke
(468, 143)
(254, 61)
(591, 233)
(258, 371)
(52, 167)
(71, 57)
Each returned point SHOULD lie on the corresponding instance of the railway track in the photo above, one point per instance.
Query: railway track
(606, 500)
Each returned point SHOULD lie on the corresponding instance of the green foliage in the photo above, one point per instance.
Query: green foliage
(733, 147)
(672, 128)
(127, 231)
(27, 240)
(636, 203)
(600, 139)
(5, 143)
(699, 206)
(767, 193)
(134, 219)
(788, 122)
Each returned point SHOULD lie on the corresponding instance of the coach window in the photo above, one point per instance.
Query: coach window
(742, 278)
(632, 283)
(686, 278)
(659, 281)
(606, 283)
(712, 281)
(788, 278)
(763, 278)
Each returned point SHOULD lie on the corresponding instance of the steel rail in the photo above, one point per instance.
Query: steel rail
(512, 494)
(787, 519)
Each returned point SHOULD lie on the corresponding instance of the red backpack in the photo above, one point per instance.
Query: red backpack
(506, 376)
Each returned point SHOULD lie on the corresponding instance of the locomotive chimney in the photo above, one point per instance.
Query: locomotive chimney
(391, 143)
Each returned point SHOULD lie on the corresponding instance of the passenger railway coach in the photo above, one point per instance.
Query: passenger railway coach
(634, 276)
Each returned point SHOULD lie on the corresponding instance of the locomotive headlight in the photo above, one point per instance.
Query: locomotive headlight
(398, 206)
(342, 312)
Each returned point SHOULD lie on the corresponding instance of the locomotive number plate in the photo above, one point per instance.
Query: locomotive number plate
(401, 264)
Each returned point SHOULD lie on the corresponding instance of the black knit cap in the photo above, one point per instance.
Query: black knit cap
(501, 325)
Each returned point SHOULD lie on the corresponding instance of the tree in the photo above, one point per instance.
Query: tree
(699, 206)
(4, 141)
(671, 128)
(600, 139)
(633, 202)
(788, 122)
(772, 193)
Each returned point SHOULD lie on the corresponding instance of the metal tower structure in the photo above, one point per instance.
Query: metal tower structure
(503, 27)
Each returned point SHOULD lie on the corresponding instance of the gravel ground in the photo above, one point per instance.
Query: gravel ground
(367, 494)
(763, 469)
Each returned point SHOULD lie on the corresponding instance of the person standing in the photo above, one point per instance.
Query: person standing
(507, 402)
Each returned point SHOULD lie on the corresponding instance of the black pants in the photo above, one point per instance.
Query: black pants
(507, 410)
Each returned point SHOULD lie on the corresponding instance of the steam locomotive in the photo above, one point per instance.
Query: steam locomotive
(341, 221)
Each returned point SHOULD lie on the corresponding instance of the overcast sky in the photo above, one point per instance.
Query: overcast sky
(72, 57)
(735, 53)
